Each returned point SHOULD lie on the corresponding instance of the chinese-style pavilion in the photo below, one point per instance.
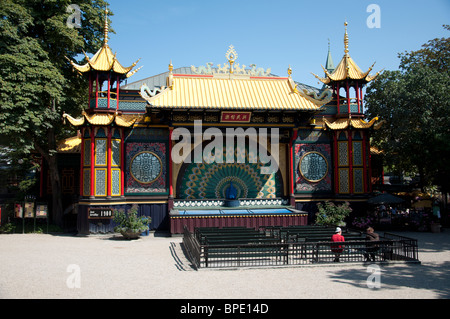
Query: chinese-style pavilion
(141, 143)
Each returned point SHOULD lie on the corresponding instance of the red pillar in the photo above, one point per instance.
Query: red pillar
(348, 98)
(291, 167)
(82, 163)
(357, 97)
(350, 159)
(109, 90)
(117, 93)
(92, 161)
(108, 162)
(336, 162)
(366, 178)
(171, 198)
(338, 99)
(96, 92)
(90, 89)
(122, 162)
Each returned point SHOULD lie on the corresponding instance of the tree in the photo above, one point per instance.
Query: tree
(37, 84)
(414, 103)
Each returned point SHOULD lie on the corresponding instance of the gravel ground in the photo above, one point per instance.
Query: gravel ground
(154, 267)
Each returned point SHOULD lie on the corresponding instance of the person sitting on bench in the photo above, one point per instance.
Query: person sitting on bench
(337, 249)
(371, 247)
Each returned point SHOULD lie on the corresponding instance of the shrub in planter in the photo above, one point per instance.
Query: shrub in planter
(332, 214)
(129, 224)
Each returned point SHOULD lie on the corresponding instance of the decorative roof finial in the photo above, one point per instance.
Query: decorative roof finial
(346, 39)
(231, 56)
(106, 28)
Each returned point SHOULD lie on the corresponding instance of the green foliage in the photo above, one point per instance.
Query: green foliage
(130, 221)
(332, 214)
(414, 103)
(37, 83)
(7, 228)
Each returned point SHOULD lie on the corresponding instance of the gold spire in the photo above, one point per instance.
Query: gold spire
(106, 28)
(346, 39)
(104, 60)
(347, 68)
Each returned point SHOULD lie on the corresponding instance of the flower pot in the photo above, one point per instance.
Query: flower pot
(435, 228)
(128, 234)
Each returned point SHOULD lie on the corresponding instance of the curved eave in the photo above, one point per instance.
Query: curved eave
(342, 124)
(103, 119)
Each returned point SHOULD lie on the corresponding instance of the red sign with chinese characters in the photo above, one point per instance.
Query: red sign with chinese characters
(236, 117)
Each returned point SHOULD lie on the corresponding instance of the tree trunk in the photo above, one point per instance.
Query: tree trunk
(55, 181)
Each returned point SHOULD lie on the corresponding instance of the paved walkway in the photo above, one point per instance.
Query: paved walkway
(48, 266)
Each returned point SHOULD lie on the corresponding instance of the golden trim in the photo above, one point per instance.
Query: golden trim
(160, 171)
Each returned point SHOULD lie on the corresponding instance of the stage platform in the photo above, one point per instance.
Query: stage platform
(244, 216)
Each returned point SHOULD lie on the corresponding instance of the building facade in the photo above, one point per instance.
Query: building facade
(221, 145)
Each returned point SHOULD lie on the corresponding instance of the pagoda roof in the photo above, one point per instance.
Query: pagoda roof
(104, 60)
(232, 87)
(237, 93)
(346, 69)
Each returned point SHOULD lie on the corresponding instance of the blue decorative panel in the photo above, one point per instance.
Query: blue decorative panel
(100, 182)
(358, 180)
(357, 154)
(115, 182)
(87, 182)
(100, 151)
(344, 181)
(87, 153)
(146, 168)
(115, 152)
(343, 153)
(313, 167)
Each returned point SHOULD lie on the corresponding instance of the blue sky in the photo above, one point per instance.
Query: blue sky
(271, 34)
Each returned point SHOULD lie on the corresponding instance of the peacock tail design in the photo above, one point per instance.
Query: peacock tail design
(210, 181)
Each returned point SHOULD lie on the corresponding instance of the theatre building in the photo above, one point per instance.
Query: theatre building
(217, 145)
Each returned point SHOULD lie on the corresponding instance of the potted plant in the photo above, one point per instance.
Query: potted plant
(332, 214)
(129, 224)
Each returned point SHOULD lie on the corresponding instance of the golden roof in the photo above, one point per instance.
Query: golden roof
(70, 145)
(233, 92)
(344, 123)
(347, 68)
(104, 59)
(103, 119)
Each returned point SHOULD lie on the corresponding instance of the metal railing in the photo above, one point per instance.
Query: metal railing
(391, 247)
